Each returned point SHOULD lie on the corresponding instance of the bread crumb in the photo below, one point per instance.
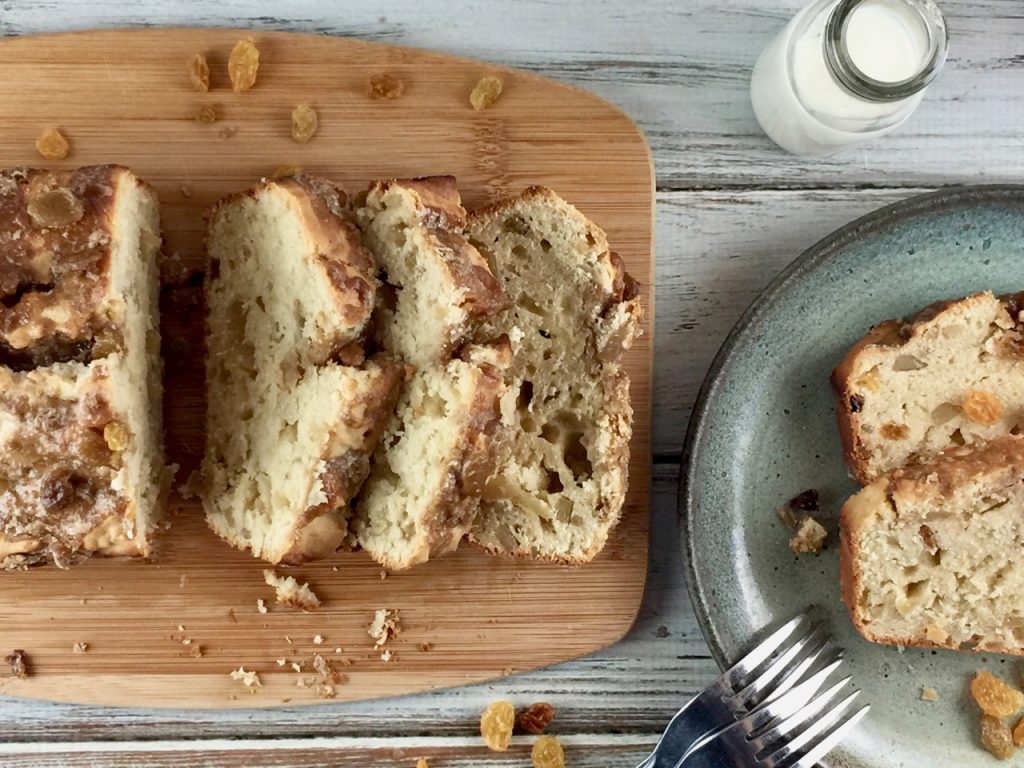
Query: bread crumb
(384, 626)
(809, 537)
(181, 627)
(334, 568)
(83, 601)
(280, 662)
(249, 679)
(292, 593)
(287, 639)
(19, 663)
(486, 92)
(337, 650)
(386, 655)
(183, 580)
(186, 641)
(383, 575)
(296, 667)
(187, 490)
(80, 647)
(929, 694)
(260, 606)
(318, 640)
(426, 647)
(196, 651)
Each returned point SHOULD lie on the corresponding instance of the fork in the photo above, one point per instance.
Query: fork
(773, 667)
(793, 731)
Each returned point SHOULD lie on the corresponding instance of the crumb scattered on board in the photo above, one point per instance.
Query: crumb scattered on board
(809, 538)
(291, 592)
(929, 694)
(18, 661)
(318, 640)
(248, 678)
(80, 647)
(809, 535)
(260, 605)
(384, 626)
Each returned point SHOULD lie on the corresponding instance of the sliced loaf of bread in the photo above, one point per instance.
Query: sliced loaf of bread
(951, 374)
(81, 451)
(929, 554)
(438, 449)
(294, 411)
(561, 480)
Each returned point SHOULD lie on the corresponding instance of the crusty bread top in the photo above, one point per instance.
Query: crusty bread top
(56, 229)
(988, 368)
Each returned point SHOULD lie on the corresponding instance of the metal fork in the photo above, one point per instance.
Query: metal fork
(793, 731)
(773, 667)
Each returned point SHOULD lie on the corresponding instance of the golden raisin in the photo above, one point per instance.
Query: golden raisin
(384, 86)
(994, 696)
(547, 753)
(870, 381)
(996, 737)
(496, 725)
(199, 72)
(422, 763)
(116, 436)
(535, 718)
(286, 170)
(486, 92)
(1018, 733)
(58, 207)
(893, 431)
(52, 145)
(304, 123)
(981, 407)
(207, 115)
(243, 65)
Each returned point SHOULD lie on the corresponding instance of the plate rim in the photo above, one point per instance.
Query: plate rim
(809, 260)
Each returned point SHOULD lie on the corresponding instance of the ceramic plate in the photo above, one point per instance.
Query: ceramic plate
(764, 430)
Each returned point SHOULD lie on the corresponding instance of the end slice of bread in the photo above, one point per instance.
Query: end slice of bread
(437, 286)
(81, 451)
(294, 412)
(929, 553)
(561, 483)
(949, 375)
(430, 468)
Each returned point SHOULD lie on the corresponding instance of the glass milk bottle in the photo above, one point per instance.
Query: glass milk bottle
(846, 71)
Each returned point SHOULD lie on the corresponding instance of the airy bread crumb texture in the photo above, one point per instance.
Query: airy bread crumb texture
(950, 375)
(561, 480)
(929, 552)
(291, 592)
(290, 428)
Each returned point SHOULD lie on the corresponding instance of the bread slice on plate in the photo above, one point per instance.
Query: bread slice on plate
(294, 411)
(951, 374)
(81, 456)
(428, 473)
(437, 286)
(560, 484)
(929, 554)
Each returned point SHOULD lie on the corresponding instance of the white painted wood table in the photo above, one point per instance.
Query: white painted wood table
(732, 211)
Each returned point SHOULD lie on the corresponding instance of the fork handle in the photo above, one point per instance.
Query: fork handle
(689, 726)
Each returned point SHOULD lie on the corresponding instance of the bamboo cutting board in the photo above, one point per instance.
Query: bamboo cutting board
(124, 97)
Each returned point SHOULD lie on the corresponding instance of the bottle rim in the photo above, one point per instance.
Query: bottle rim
(850, 76)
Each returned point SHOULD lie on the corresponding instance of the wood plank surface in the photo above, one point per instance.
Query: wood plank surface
(680, 68)
(479, 617)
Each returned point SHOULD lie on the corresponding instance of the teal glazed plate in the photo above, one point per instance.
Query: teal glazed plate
(763, 430)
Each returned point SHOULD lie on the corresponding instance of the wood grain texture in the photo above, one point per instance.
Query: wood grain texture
(483, 617)
(680, 68)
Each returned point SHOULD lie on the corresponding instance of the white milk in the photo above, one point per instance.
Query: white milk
(801, 105)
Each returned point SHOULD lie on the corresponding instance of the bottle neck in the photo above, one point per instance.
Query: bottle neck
(845, 70)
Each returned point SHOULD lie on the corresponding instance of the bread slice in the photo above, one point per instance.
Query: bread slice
(951, 374)
(81, 456)
(438, 287)
(294, 412)
(929, 553)
(428, 473)
(560, 487)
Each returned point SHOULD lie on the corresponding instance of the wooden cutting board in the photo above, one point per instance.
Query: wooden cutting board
(125, 97)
